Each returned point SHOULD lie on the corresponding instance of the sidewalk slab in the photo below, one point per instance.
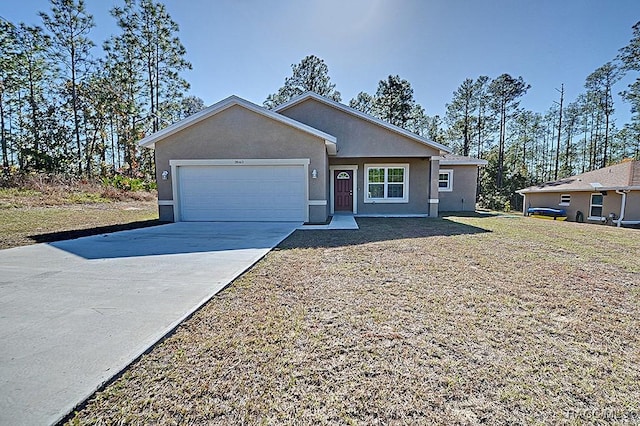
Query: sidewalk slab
(338, 221)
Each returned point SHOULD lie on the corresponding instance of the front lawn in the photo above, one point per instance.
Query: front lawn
(459, 320)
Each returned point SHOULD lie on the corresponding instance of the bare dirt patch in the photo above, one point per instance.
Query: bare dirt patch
(463, 320)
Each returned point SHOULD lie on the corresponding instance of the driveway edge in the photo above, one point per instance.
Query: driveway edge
(170, 330)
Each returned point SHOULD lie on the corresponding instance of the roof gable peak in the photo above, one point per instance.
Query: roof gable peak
(233, 100)
(349, 110)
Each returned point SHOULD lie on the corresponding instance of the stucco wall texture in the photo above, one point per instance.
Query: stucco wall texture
(238, 133)
(356, 137)
(581, 201)
(463, 196)
(419, 186)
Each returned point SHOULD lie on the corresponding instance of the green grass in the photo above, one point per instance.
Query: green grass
(462, 320)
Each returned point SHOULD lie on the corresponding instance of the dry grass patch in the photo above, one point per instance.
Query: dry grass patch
(30, 225)
(461, 320)
(51, 209)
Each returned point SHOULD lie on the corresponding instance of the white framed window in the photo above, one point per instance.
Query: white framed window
(595, 207)
(386, 183)
(445, 181)
(565, 200)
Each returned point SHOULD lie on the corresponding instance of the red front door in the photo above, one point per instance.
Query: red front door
(343, 190)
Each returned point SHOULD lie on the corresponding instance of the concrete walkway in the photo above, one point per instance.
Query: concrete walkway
(338, 221)
(75, 313)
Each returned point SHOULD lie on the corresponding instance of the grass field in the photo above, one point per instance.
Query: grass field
(458, 320)
(54, 212)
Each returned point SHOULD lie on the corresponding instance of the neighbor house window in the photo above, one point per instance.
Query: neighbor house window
(595, 210)
(445, 180)
(387, 183)
(565, 199)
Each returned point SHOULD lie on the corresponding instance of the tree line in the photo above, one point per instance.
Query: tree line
(68, 107)
(484, 120)
(64, 108)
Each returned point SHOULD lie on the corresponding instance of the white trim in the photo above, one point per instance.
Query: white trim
(434, 201)
(591, 205)
(405, 192)
(176, 164)
(242, 162)
(567, 201)
(449, 187)
(174, 185)
(317, 202)
(150, 141)
(354, 169)
(362, 115)
(166, 202)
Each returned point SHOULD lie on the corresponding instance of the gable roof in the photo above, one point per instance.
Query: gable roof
(461, 160)
(150, 141)
(625, 175)
(363, 116)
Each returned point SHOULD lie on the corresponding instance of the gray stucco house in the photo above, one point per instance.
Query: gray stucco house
(304, 161)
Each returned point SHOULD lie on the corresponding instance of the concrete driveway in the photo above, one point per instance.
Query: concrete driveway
(75, 313)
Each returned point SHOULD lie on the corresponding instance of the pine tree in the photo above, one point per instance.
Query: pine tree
(310, 75)
(9, 82)
(70, 25)
(600, 85)
(394, 101)
(505, 92)
(363, 102)
(460, 115)
(145, 61)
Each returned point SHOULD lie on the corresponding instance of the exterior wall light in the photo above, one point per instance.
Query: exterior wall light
(314, 174)
(165, 175)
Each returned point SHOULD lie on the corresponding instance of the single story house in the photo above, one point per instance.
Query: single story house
(609, 193)
(306, 160)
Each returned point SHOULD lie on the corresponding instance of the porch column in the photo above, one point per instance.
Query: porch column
(434, 171)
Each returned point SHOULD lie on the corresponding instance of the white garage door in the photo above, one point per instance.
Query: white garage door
(242, 193)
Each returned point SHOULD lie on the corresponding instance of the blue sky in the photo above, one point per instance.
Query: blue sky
(246, 47)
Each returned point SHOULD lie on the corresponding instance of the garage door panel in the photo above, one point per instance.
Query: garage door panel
(242, 193)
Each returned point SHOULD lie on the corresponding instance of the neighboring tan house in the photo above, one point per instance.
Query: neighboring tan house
(304, 161)
(611, 193)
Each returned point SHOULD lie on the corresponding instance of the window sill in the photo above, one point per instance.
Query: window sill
(445, 190)
(385, 201)
(597, 218)
(564, 204)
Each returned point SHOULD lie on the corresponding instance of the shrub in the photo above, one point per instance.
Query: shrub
(126, 183)
(495, 202)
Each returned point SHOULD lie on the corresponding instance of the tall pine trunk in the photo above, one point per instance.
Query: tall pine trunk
(3, 138)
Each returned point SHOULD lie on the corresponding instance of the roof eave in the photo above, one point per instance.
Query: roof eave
(477, 162)
(604, 188)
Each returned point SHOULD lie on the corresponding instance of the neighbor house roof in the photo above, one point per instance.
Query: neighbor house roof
(461, 160)
(330, 102)
(625, 175)
(150, 141)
